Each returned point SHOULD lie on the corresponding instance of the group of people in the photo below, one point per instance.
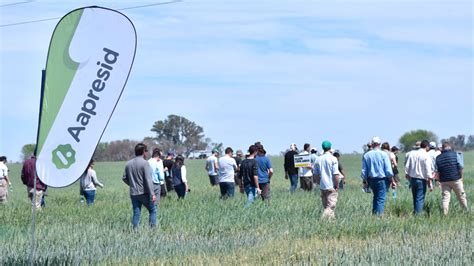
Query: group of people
(149, 180)
(423, 166)
(28, 178)
(251, 174)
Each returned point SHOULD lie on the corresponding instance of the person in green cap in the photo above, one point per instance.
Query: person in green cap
(326, 173)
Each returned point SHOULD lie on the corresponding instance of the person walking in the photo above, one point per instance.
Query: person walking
(168, 164)
(158, 175)
(306, 173)
(376, 174)
(28, 176)
(228, 167)
(396, 177)
(265, 171)
(291, 172)
(88, 182)
(342, 176)
(238, 159)
(138, 177)
(418, 170)
(4, 180)
(249, 175)
(178, 173)
(450, 173)
(212, 167)
(326, 171)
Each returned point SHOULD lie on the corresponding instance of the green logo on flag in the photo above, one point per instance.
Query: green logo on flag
(64, 156)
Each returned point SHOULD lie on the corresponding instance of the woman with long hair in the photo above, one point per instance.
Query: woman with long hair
(89, 182)
(178, 173)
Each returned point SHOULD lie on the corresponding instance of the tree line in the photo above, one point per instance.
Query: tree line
(181, 136)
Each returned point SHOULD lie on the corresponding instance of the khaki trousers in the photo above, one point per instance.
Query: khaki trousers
(3, 190)
(37, 199)
(458, 188)
(329, 200)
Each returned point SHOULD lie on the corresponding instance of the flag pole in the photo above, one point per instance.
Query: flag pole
(33, 219)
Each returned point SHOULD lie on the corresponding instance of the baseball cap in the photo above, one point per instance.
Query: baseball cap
(326, 145)
(376, 140)
(215, 150)
(432, 145)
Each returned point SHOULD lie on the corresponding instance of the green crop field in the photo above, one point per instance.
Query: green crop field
(205, 230)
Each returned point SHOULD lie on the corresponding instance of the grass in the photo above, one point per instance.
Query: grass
(205, 230)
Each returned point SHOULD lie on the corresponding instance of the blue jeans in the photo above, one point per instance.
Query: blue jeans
(293, 182)
(251, 195)
(379, 188)
(90, 196)
(418, 189)
(227, 189)
(137, 202)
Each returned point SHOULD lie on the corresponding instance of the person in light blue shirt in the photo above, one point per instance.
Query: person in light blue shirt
(157, 173)
(377, 174)
(326, 172)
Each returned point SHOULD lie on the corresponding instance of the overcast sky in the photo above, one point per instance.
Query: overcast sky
(273, 71)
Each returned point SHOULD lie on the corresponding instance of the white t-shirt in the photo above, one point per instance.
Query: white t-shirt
(3, 170)
(211, 170)
(227, 167)
(326, 167)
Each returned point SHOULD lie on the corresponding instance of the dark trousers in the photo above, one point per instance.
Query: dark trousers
(265, 187)
(227, 189)
(180, 190)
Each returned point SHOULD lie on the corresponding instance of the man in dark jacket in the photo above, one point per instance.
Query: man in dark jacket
(28, 176)
(291, 171)
(449, 172)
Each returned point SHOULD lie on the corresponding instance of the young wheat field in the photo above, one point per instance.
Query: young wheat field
(202, 229)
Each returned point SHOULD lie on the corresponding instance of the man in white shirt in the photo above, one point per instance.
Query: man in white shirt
(227, 168)
(326, 172)
(212, 167)
(418, 170)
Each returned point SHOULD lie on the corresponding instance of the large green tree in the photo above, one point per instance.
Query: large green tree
(409, 139)
(179, 134)
(26, 151)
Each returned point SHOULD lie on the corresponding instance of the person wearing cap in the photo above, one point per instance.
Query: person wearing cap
(326, 171)
(450, 173)
(227, 167)
(291, 172)
(306, 173)
(418, 170)
(168, 164)
(212, 167)
(376, 174)
(433, 152)
(239, 157)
